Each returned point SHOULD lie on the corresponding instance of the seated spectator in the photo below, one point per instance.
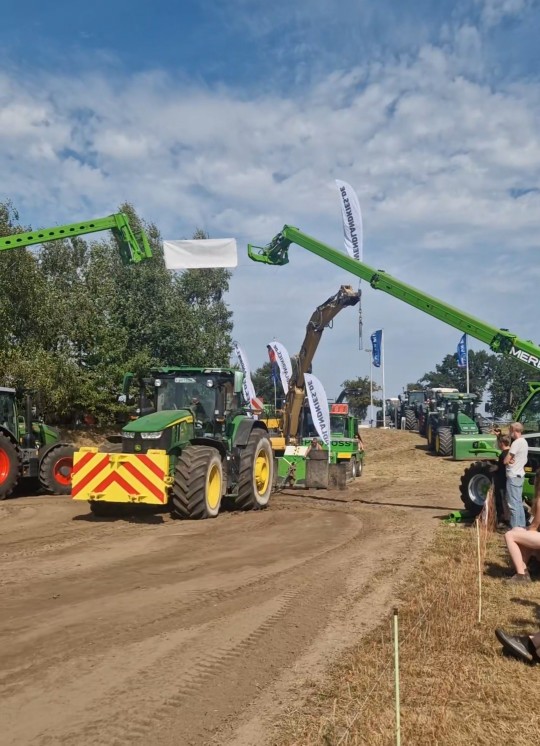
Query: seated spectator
(525, 648)
(524, 543)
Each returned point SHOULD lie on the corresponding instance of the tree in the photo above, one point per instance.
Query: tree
(359, 397)
(74, 319)
(508, 387)
(448, 375)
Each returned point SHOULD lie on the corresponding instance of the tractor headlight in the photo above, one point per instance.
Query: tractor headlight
(151, 436)
(128, 435)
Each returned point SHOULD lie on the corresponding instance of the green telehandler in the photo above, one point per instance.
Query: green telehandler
(501, 341)
(32, 449)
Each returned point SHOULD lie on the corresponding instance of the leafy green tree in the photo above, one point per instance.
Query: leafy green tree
(359, 396)
(447, 373)
(508, 387)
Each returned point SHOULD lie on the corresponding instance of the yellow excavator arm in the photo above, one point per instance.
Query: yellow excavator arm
(320, 319)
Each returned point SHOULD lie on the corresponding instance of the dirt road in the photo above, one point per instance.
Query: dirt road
(172, 633)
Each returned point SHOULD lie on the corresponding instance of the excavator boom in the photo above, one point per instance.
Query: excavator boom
(320, 319)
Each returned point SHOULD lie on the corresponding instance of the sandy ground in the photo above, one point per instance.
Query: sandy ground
(170, 633)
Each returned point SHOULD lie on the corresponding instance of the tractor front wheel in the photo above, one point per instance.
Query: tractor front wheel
(475, 484)
(10, 466)
(198, 483)
(357, 467)
(256, 473)
(444, 442)
(411, 423)
(55, 470)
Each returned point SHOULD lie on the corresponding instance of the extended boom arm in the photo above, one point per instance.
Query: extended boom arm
(499, 340)
(134, 247)
(320, 319)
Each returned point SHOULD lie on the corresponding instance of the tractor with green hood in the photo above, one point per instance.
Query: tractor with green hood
(192, 450)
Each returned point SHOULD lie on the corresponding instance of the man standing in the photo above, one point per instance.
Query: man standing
(515, 461)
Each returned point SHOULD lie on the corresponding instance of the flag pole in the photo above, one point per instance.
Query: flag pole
(467, 360)
(382, 366)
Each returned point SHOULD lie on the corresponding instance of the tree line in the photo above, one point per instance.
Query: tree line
(74, 319)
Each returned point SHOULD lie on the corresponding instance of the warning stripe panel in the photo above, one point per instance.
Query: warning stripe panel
(79, 464)
(77, 485)
(114, 477)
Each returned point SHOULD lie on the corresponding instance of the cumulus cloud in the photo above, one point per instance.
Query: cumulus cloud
(446, 166)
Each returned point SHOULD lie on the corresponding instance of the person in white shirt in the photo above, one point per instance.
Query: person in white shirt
(515, 461)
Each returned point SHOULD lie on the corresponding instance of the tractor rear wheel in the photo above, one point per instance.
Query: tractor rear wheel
(55, 470)
(198, 483)
(444, 442)
(256, 473)
(411, 423)
(10, 466)
(475, 484)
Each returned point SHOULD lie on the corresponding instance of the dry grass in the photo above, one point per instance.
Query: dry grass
(457, 688)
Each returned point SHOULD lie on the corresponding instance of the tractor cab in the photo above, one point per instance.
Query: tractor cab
(8, 411)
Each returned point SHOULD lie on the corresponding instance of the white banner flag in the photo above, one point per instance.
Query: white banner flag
(200, 253)
(248, 389)
(352, 220)
(318, 405)
(283, 361)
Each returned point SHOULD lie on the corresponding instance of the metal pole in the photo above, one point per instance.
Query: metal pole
(371, 388)
(467, 360)
(383, 395)
(396, 678)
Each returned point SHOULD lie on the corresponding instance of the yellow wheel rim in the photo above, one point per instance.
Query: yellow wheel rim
(213, 487)
(262, 472)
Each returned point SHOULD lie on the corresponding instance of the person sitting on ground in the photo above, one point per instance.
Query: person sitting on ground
(524, 543)
(499, 480)
(525, 647)
(314, 446)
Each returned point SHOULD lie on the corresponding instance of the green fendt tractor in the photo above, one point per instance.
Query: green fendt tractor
(453, 425)
(30, 450)
(192, 450)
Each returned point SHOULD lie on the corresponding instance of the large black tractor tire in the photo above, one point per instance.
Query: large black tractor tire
(256, 473)
(198, 483)
(411, 423)
(477, 479)
(444, 442)
(10, 466)
(55, 470)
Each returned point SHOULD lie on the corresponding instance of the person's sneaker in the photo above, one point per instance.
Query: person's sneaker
(519, 578)
(519, 647)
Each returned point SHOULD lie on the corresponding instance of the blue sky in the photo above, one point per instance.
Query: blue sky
(237, 116)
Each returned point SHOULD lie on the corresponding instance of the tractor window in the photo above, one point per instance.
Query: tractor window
(7, 412)
(338, 425)
(184, 392)
(530, 416)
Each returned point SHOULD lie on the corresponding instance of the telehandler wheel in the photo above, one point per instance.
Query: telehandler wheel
(198, 483)
(475, 483)
(444, 442)
(10, 466)
(256, 473)
(55, 470)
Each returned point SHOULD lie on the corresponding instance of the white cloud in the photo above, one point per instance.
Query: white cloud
(433, 151)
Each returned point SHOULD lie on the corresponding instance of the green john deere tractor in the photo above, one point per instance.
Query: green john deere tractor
(192, 450)
(31, 450)
(453, 425)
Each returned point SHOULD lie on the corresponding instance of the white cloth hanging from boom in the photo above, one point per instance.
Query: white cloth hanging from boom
(200, 253)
